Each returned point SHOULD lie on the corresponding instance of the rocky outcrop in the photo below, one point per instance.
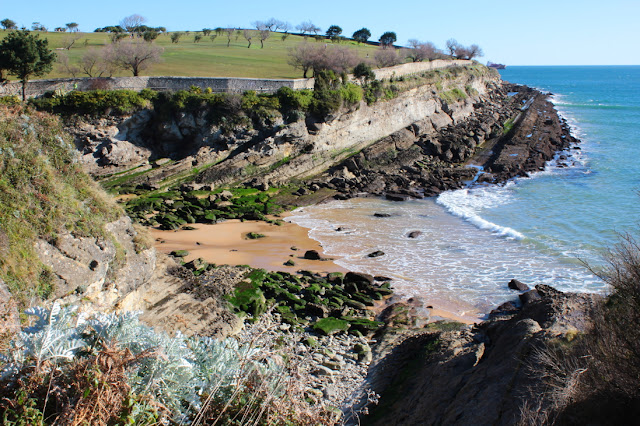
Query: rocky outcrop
(479, 375)
(98, 269)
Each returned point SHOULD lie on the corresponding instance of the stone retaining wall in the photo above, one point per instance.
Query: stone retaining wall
(217, 84)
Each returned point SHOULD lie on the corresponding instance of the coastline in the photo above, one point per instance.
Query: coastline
(226, 243)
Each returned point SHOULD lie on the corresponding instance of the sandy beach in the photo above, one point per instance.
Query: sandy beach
(227, 243)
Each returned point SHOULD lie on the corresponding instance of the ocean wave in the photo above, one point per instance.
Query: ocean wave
(467, 204)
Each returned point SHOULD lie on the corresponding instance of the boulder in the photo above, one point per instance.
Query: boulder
(529, 296)
(376, 253)
(312, 255)
(518, 285)
(414, 234)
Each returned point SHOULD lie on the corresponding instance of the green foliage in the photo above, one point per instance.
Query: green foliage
(43, 191)
(351, 93)
(95, 102)
(9, 100)
(362, 35)
(25, 55)
(388, 38)
(363, 72)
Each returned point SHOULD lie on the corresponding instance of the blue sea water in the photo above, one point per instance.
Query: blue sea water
(541, 229)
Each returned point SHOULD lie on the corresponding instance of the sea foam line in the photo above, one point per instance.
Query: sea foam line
(465, 204)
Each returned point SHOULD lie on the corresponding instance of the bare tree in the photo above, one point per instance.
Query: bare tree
(285, 27)
(264, 34)
(69, 40)
(248, 35)
(302, 57)
(387, 57)
(307, 57)
(229, 32)
(308, 27)
(94, 63)
(131, 23)
(134, 56)
(63, 61)
(452, 45)
(420, 51)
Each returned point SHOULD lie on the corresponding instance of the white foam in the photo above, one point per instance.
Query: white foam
(468, 203)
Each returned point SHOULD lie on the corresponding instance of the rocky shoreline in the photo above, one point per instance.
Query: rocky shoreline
(503, 130)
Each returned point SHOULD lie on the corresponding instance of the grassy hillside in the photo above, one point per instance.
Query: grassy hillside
(204, 59)
(43, 191)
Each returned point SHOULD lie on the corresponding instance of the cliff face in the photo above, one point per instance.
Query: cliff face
(271, 151)
(485, 375)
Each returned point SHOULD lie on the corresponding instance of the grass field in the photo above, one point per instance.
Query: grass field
(204, 59)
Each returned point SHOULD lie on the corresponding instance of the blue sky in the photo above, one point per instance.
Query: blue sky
(541, 32)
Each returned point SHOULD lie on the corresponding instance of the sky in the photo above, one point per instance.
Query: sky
(539, 32)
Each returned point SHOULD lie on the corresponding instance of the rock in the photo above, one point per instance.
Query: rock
(321, 370)
(529, 296)
(382, 215)
(518, 285)
(396, 197)
(225, 195)
(376, 253)
(312, 255)
(179, 253)
(358, 277)
(414, 234)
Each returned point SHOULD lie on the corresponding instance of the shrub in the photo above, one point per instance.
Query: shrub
(94, 102)
(108, 368)
(351, 93)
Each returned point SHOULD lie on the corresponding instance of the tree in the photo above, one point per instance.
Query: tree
(285, 27)
(387, 39)
(206, 31)
(175, 37)
(362, 35)
(364, 73)
(308, 27)
(150, 35)
(229, 32)
(452, 45)
(302, 57)
(334, 31)
(95, 63)
(264, 34)
(248, 35)
(72, 26)
(131, 23)
(8, 24)
(26, 55)
(197, 37)
(387, 57)
(134, 56)
(420, 51)
(37, 26)
(69, 40)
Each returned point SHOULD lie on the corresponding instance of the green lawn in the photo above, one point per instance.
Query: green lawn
(204, 59)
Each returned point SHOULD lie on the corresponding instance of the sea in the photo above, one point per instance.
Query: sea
(555, 227)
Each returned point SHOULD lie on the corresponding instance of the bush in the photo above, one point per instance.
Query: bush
(351, 93)
(94, 102)
(112, 369)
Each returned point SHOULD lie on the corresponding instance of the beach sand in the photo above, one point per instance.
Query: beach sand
(226, 243)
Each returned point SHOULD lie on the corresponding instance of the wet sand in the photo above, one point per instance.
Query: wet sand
(226, 243)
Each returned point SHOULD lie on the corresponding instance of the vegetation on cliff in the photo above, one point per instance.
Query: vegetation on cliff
(43, 191)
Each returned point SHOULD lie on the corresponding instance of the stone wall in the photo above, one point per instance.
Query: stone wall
(217, 84)
(418, 67)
